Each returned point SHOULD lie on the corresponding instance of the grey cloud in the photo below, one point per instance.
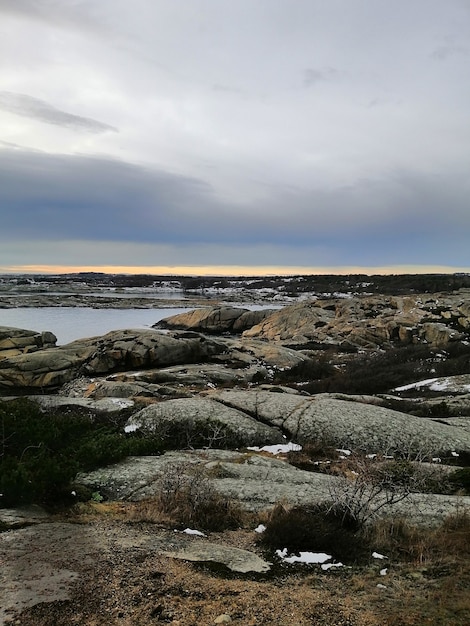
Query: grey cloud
(402, 219)
(312, 76)
(27, 106)
(442, 53)
(65, 14)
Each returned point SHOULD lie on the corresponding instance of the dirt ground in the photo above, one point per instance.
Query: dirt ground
(100, 569)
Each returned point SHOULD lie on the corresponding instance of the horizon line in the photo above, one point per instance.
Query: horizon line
(233, 270)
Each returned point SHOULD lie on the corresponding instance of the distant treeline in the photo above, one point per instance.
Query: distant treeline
(321, 284)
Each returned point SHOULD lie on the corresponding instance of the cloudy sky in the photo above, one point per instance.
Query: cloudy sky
(239, 136)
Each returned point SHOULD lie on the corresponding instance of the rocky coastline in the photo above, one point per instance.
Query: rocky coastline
(234, 384)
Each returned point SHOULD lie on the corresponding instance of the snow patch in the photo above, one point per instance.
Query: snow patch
(304, 557)
(279, 448)
(131, 428)
(190, 531)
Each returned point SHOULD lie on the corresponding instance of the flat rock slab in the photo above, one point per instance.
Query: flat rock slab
(44, 563)
(237, 560)
(24, 516)
(37, 564)
(256, 481)
(103, 405)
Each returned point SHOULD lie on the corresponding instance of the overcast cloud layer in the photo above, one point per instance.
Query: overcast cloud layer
(255, 132)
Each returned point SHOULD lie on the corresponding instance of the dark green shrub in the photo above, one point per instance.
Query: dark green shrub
(41, 452)
(460, 479)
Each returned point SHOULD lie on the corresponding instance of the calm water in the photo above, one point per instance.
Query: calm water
(70, 323)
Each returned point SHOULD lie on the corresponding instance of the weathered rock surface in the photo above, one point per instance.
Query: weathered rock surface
(218, 320)
(235, 559)
(227, 427)
(44, 563)
(373, 429)
(117, 350)
(103, 405)
(368, 321)
(257, 482)
(16, 341)
(125, 350)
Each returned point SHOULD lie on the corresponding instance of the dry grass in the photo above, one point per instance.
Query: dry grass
(186, 497)
(426, 584)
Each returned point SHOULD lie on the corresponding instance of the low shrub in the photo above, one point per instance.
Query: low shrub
(460, 479)
(325, 527)
(400, 540)
(315, 456)
(41, 452)
(186, 497)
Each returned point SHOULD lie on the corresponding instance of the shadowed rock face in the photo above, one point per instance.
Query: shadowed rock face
(115, 351)
(368, 321)
(215, 320)
(129, 350)
(17, 341)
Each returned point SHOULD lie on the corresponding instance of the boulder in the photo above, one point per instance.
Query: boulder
(16, 341)
(222, 426)
(215, 320)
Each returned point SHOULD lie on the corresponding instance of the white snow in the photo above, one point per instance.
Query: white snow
(131, 428)
(304, 557)
(436, 384)
(278, 448)
(376, 555)
(190, 531)
(418, 385)
(260, 529)
(122, 403)
(327, 566)
(346, 452)
(383, 572)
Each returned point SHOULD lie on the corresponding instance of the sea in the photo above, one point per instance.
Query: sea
(70, 323)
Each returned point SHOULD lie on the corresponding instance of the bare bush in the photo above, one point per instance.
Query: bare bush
(186, 497)
(369, 486)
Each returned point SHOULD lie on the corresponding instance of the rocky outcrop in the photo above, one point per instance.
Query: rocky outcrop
(373, 429)
(220, 360)
(117, 350)
(368, 322)
(17, 341)
(215, 320)
(192, 417)
(256, 482)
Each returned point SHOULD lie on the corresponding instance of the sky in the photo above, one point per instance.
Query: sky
(247, 136)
